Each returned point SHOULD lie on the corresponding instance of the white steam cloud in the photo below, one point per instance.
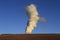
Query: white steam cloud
(33, 18)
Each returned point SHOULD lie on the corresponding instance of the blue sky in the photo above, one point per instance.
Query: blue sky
(13, 17)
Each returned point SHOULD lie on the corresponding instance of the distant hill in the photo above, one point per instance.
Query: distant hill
(30, 37)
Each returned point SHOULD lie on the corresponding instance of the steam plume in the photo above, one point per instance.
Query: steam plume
(33, 18)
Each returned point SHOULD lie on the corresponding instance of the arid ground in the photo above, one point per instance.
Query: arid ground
(30, 37)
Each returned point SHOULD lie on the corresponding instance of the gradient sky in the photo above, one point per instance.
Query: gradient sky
(13, 17)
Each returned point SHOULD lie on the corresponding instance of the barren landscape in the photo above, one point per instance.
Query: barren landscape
(30, 37)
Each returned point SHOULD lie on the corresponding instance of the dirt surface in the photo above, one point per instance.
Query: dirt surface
(30, 37)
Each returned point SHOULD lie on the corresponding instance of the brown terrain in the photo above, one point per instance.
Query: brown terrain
(30, 37)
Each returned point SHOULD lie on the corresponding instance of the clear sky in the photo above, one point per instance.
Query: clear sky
(13, 17)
